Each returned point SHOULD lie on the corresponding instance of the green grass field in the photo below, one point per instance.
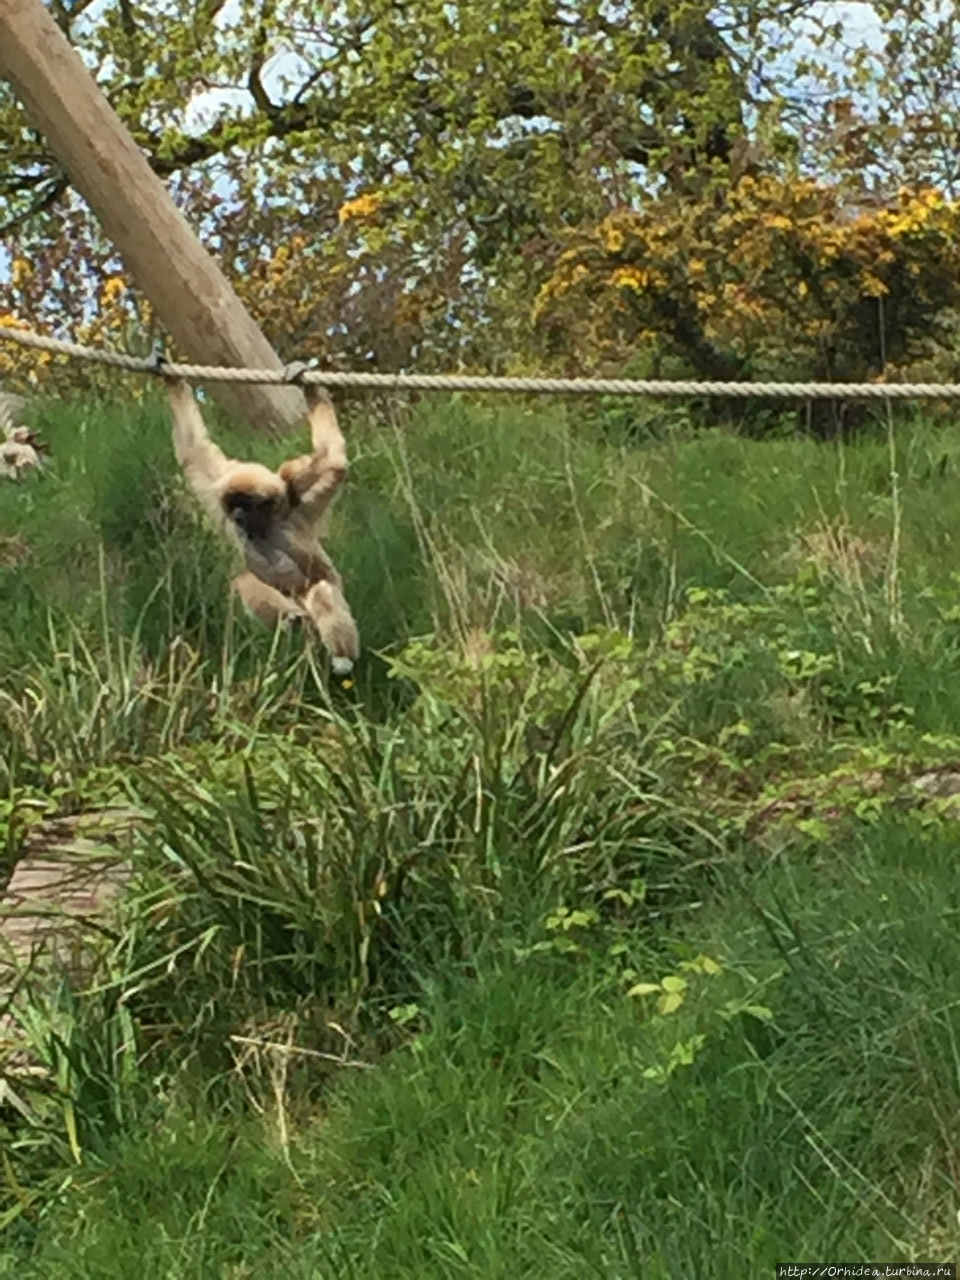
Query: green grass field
(607, 926)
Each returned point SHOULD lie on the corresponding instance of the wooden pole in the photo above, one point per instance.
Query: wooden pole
(189, 293)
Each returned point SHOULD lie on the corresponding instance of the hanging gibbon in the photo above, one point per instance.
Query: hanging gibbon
(272, 516)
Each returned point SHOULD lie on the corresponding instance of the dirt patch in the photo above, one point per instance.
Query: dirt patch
(61, 888)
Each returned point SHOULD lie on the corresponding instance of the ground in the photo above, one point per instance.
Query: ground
(605, 926)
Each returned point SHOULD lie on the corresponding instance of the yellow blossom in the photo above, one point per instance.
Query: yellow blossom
(629, 278)
(872, 285)
(21, 272)
(358, 209)
(113, 289)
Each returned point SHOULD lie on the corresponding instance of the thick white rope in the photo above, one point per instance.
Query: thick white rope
(298, 374)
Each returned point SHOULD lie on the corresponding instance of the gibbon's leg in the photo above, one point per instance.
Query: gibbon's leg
(330, 614)
(313, 482)
(266, 603)
(324, 603)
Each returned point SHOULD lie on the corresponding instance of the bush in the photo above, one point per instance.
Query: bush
(767, 278)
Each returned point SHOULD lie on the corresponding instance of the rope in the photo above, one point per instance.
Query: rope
(298, 375)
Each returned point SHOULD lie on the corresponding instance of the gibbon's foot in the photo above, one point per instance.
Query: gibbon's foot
(330, 614)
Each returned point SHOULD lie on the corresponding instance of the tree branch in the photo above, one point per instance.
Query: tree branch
(259, 56)
(43, 202)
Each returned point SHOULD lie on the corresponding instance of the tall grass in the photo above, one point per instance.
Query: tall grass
(602, 928)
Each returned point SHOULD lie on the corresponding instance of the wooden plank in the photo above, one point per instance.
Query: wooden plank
(69, 872)
(190, 294)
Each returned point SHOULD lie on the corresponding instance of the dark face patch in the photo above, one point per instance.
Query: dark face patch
(252, 513)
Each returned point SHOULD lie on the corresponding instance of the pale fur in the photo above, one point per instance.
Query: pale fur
(21, 450)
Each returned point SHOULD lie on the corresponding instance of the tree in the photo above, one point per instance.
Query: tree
(391, 183)
(479, 131)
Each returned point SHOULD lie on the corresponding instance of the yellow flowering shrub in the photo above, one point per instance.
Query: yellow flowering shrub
(768, 277)
(20, 367)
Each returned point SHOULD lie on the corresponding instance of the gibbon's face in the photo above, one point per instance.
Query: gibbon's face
(254, 499)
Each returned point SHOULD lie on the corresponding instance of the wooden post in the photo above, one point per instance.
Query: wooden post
(189, 293)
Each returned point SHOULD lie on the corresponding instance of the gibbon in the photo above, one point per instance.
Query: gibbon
(272, 516)
(21, 450)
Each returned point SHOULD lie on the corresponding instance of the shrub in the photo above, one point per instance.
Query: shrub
(764, 278)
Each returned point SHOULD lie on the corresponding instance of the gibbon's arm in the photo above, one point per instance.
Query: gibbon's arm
(202, 461)
(315, 479)
(325, 433)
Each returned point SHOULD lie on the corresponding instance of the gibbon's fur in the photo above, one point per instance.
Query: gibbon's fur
(21, 450)
(272, 516)
(267, 603)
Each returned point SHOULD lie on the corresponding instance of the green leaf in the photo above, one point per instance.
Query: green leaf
(759, 1011)
(645, 989)
(670, 1002)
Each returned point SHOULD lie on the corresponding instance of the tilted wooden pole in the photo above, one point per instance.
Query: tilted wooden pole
(189, 293)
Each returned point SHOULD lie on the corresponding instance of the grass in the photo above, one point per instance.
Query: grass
(606, 927)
